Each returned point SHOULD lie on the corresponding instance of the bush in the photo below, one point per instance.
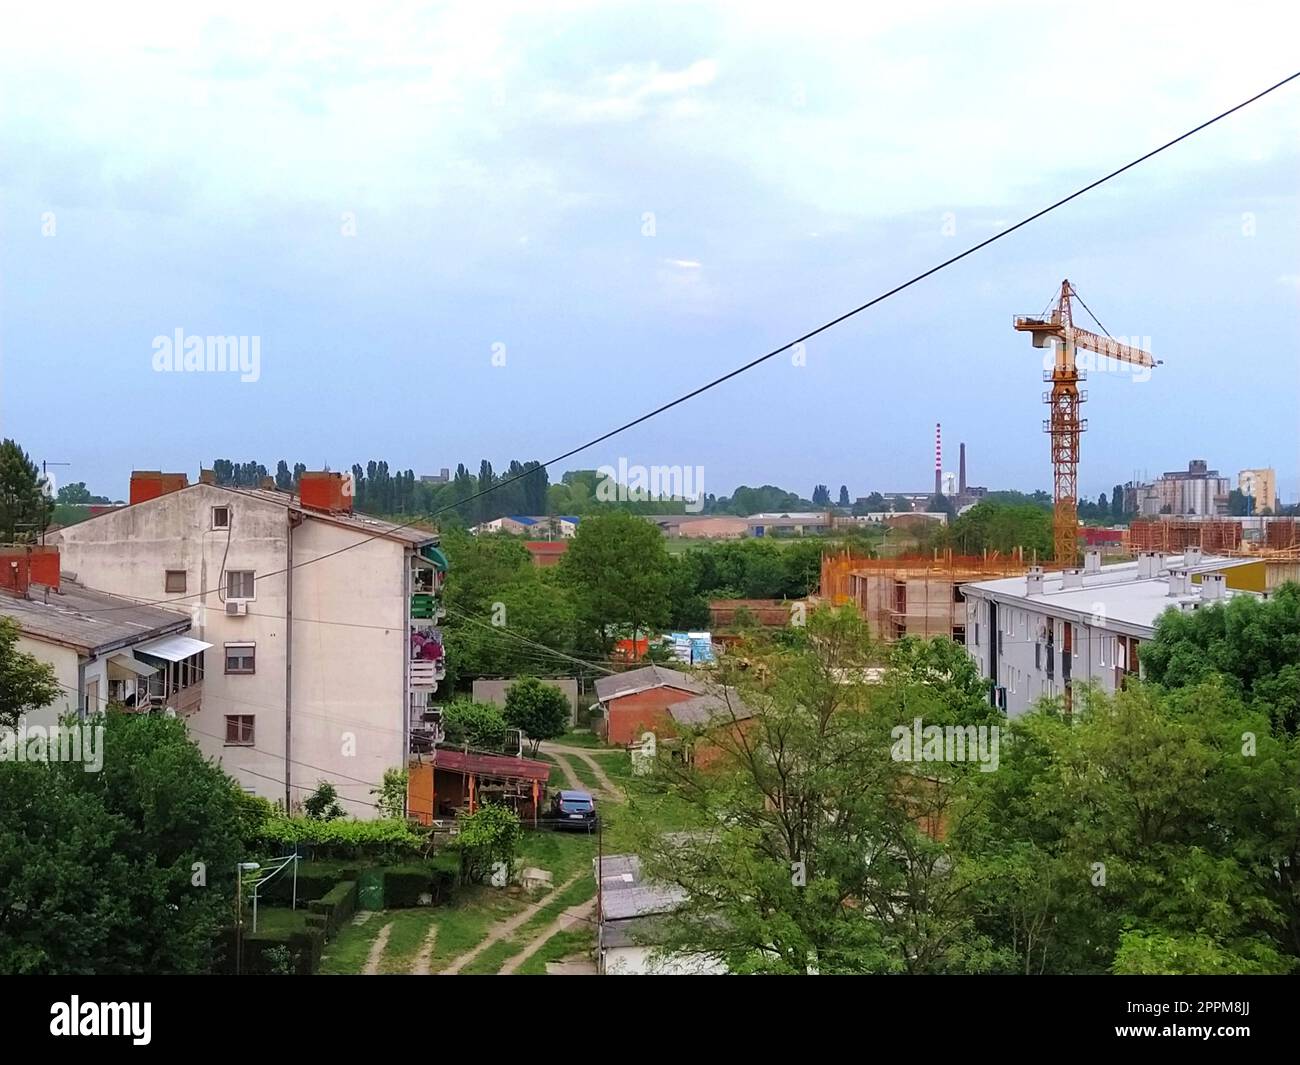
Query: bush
(323, 803)
(489, 835)
(476, 724)
(404, 885)
(337, 906)
(382, 840)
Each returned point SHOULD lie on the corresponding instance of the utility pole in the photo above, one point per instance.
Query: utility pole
(45, 486)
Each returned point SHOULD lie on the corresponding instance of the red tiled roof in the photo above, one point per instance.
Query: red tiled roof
(494, 765)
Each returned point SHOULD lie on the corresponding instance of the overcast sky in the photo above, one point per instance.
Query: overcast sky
(625, 200)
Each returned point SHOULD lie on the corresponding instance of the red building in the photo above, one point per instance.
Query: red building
(637, 701)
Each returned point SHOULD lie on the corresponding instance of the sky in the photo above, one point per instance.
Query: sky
(500, 229)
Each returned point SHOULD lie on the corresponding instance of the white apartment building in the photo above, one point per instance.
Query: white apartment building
(1038, 635)
(321, 625)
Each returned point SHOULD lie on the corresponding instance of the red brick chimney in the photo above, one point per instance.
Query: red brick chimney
(326, 490)
(150, 484)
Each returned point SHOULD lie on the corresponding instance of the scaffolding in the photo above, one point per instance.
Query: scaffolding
(915, 595)
(1175, 535)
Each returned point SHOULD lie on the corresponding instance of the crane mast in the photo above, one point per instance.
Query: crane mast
(1063, 424)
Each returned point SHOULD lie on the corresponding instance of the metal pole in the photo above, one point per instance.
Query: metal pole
(295, 878)
(239, 916)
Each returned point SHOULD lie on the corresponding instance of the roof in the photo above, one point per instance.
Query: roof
(91, 622)
(522, 519)
(712, 708)
(408, 534)
(646, 677)
(494, 765)
(1128, 603)
(625, 895)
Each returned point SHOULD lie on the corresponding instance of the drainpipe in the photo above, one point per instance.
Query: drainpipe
(295, 519)
(81, 687)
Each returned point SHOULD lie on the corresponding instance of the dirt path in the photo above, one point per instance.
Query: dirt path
(377, 950)
(606, 788)
(502, 929)
(425, 957)
(570, 917)
(566, 767)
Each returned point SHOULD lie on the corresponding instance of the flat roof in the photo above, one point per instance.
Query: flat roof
(1128, 603)
(91, 622)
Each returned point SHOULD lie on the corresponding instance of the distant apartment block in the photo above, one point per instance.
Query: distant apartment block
(320, 625)
(1261, 485)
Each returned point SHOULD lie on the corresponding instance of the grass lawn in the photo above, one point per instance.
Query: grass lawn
(575, 941)
(277, 919)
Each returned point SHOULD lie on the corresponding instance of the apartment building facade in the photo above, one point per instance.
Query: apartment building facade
(322, 624)
(1040, 635)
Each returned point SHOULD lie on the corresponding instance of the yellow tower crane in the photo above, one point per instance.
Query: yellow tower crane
(1057, 329)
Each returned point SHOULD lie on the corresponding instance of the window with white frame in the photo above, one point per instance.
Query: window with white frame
(241, 658)
(239, 583)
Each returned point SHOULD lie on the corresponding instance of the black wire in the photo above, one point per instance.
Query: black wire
(789, 344)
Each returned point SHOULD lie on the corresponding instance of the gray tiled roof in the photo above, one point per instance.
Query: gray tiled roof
(714, 707)
(642, 679)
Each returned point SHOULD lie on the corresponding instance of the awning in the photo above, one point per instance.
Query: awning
(173, 648)
(433, 554)
(133, 665)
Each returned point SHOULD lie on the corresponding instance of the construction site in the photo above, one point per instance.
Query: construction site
(911, 596)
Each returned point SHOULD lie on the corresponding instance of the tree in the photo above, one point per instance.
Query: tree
(539, 710)
(322, 804)
(941, 504)
(1240, 504)
(844, 496)
(25, 504)
(392, 794)
(813, 858)
(128, 870)
(821, 496)
(480, 725)
(1002, 527)
(26, 683)
(872, 504)
(617, 571)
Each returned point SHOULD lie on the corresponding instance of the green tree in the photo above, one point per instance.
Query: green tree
(872, 504)
(538, 709)
(322, 804)
(128, 870)
(617, 571)
(25, 504)
(26, 683)
(814, 859)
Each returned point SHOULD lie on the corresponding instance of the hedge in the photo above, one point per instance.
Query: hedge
(404, 886)
(306, 948)
(315, 879)
(337, 906)
(340, 838)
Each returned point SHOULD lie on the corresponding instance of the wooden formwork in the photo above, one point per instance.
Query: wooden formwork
(1176, 535)
(912, 596)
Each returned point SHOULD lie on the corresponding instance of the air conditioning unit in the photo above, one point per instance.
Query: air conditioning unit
(236, 608)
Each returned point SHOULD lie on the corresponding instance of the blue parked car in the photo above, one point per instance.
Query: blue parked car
(573, 809)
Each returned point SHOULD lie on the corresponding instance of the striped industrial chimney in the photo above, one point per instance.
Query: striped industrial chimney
(938, 459)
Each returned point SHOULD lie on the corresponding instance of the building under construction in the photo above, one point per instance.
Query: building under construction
(917, 596)
(1175, 535)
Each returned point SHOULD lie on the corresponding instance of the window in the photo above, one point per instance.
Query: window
(241, 658)
(221, 517)
(239, 730)
(239, 583)
(174, 580)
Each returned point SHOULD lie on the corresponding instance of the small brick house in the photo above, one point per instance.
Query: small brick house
(637, 701)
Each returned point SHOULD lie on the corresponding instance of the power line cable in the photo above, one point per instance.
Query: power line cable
(663, 408)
